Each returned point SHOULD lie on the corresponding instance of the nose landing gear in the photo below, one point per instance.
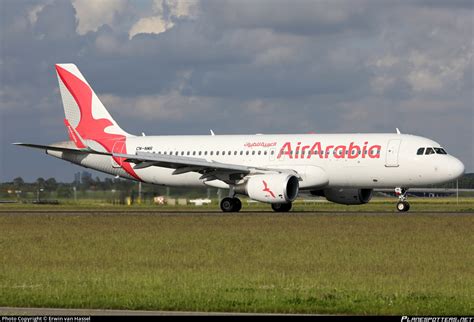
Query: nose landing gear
(402, 205)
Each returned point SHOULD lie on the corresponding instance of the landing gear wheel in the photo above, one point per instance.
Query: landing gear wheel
(237, 204)
(403, 206)
(281, 207)
(227, 204)
(231, 204)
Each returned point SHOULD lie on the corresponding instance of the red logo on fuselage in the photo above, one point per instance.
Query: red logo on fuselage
(351, 151)
(266, 189)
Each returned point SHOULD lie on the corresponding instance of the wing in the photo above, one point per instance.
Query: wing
(210, 170)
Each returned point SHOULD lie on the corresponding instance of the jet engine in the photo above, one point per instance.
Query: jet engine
(271, 188)
(345, 196)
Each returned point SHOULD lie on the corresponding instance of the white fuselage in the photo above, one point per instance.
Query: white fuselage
(346, 160)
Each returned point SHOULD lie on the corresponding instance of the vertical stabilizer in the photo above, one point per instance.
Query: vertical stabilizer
(89, 124)
(85, 113)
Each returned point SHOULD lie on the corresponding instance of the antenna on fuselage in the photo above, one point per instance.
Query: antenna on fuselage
(398, 131)
(212, 132)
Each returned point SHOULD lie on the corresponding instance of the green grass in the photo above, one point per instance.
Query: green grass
(417, 264)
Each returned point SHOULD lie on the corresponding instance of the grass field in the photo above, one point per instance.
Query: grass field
(418, 264)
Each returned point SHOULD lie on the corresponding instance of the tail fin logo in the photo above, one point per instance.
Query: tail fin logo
(90, 128)
(266, 189)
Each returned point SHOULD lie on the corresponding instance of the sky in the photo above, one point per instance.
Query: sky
(238, 67)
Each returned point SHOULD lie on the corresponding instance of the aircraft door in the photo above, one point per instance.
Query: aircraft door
(392, 153)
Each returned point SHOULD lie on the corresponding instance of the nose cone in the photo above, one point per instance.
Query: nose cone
(456, 168)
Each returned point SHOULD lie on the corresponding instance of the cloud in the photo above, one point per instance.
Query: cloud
(164, 13)
(93, 14)
(302, 17)
(150, 25)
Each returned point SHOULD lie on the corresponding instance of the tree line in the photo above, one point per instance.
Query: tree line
(51, 187)
(18, 187)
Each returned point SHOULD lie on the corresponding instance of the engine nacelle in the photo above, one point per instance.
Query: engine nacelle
(344, 196)
(271, 188)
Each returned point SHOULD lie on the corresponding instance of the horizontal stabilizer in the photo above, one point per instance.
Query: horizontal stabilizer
(60, 148)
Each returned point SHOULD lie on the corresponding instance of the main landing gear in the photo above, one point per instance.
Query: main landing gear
(402, 205)
(233, 204)
(229, 204)
(281, 207)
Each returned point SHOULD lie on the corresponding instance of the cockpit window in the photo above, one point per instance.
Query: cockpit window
(420, 151)
(429, 151)
(440, 151)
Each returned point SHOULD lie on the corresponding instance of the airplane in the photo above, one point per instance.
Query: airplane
(343, 168)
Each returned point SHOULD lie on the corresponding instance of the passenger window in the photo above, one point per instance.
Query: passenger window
(194, 152)
(205, 152)
(253, 152)
(211, 153)
(265, 152)
(420, 151)
(246, 152)
(429, 151)
(241, 152)
(273, 152)
(259, 152)
(217, 152)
